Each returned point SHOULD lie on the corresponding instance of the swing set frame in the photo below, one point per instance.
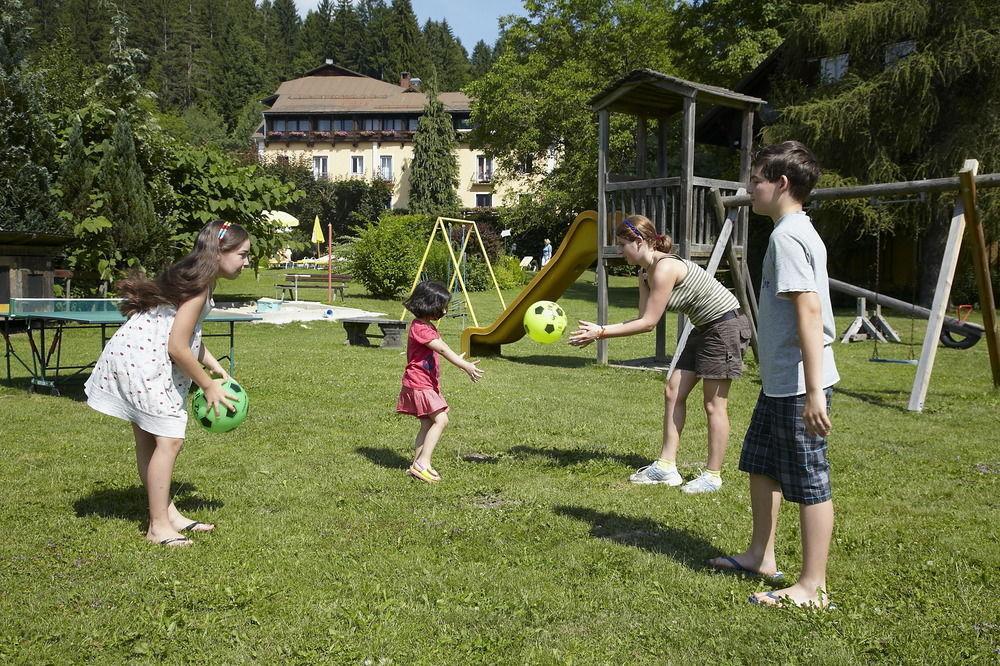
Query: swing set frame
(471, 229)
(964, 214)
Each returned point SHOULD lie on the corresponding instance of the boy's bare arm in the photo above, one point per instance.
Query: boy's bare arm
(809, 319)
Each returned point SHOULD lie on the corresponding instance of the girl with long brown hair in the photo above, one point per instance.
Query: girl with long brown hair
(144, 373)
(713, 354)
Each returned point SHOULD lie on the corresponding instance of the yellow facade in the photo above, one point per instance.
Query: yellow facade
(364, 159)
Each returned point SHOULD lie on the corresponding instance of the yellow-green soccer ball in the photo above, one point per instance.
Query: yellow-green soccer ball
(544, 322)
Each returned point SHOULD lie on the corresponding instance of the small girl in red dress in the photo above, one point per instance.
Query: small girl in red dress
(421, 392)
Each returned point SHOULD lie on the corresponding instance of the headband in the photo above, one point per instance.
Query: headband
(631, 227)
(224, 228)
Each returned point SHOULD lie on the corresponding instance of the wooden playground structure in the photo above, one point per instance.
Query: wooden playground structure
(707, 218)
(680, 205)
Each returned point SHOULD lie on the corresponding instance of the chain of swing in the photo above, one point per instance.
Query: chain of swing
(875, 357)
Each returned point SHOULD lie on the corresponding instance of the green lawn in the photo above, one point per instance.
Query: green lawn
(537, 550)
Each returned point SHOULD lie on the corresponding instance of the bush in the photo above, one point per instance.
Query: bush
(386, 253)
(509, 273)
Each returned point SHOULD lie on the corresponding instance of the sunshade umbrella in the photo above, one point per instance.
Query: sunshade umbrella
(281, 218)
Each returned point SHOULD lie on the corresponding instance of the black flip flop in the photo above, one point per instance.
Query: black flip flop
(192, 526)
(739, 568)
(167, 542)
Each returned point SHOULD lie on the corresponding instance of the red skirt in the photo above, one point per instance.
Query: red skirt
(420, 402)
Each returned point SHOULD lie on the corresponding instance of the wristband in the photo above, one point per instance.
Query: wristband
(601, 334)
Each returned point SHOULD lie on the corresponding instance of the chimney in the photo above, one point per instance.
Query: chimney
(404, 80)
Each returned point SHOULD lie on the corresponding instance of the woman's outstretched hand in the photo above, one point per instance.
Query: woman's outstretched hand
(585, 334)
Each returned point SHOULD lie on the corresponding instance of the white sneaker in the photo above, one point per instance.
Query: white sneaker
(651, 474)
(706, 483)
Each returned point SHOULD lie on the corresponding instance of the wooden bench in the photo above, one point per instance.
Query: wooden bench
(357, 331)
(295, 281)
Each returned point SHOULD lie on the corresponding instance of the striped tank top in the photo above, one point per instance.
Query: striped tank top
(699, 297)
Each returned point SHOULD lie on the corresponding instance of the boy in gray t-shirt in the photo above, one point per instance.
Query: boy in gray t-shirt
(784, 450)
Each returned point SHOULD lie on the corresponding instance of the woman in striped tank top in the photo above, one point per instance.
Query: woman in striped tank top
(713, 354)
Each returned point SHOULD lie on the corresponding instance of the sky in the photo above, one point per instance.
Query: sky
(470, 20)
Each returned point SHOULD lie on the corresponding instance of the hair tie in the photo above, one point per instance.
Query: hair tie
(224, 228)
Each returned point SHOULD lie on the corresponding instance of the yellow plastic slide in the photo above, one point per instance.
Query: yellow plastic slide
(576, 253)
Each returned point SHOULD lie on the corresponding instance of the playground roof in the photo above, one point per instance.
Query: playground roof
(649, 93)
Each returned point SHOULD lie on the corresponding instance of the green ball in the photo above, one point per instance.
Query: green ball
(227, 419)
(544, 322)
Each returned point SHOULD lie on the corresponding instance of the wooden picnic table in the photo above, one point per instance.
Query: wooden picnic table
(294, 281)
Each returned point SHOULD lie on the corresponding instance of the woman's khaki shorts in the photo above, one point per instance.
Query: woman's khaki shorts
(716, 351)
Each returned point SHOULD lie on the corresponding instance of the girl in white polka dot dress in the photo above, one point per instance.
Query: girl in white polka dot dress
(146, 369)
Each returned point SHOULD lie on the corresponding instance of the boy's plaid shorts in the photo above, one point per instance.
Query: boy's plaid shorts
(777, 445)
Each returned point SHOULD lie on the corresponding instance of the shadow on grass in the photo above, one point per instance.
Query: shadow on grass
(552, 361)
(384, 457)
(683, 546)
(567, 457)
(65, 388)
(131, 503)
(872, 398)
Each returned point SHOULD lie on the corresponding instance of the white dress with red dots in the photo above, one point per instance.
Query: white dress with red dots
(134, 378)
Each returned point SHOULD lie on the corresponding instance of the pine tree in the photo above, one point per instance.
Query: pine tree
(482, 58)
(407, 48)
(87, 21)
(135, 230)
(237, 80)
(448, 56)
(374, 58)
(25, 134)
(434, 169)
(76, 176)
(289, 27)
(315, 38)
(346, 36)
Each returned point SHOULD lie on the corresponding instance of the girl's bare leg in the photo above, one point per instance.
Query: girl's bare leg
(716, 395)
(438, 422)
(675, 394)
(155, 457)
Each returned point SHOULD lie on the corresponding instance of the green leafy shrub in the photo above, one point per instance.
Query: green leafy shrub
(509, 273)
(387, 253)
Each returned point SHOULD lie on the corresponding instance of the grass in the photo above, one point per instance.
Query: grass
(535, 548)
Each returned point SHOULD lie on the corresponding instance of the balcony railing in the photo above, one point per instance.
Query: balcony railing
(342, 135)
(483, 177)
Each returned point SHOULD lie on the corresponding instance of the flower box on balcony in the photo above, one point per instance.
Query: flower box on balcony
(367, 134)
(296, 135)
(275, 135)
(341, 134)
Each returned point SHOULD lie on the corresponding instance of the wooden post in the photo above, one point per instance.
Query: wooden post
(329, 264)
(736, 269)
(660, 341)
(640, 146)
(982, 265)
(722, 242)
(685, 224)
(939, 309)
(742, 238)
(603, 123)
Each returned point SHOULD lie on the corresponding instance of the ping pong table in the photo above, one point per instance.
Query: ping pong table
(45, 320)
